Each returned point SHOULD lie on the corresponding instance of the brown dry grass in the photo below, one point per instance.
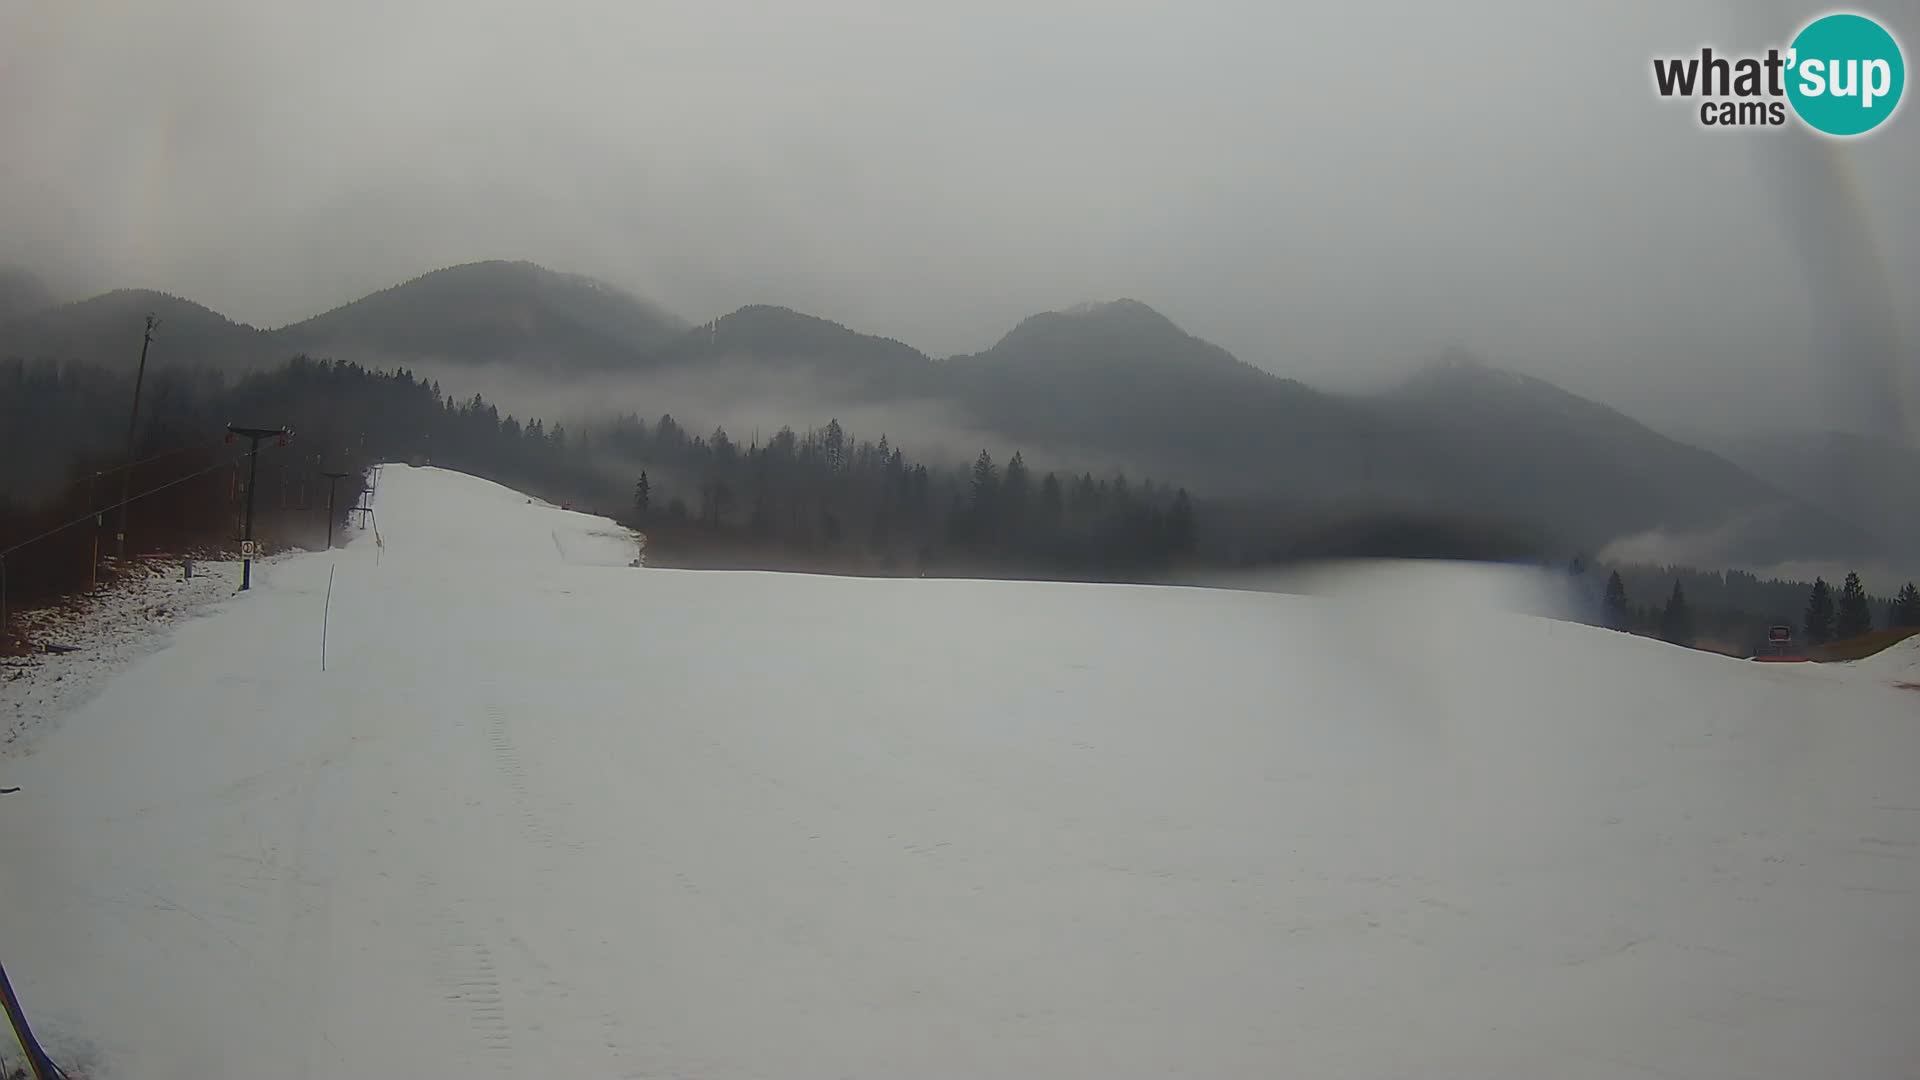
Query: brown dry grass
(1857, 648)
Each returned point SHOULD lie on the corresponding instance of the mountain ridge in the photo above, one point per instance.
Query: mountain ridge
(492, 311)
(1114, 382)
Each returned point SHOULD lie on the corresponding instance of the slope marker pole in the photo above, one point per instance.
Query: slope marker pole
(325, 613)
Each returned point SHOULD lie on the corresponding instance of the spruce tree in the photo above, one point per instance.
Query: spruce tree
(1050, 499)
(835, 445)
(1906, 607)
(1614, 606)
(1013, 489)
(1676, 622)
(642, 494)
(1854, 616)
(984, 483)
(1818, 622)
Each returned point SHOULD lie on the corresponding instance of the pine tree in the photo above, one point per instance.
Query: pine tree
(918, 490)
(668, 435)
(1676, 622)
(1050, 499)
(1906, 607)
(835, 445)
(1819, 618)
(1854, 617)
(984, 482)
(1614, 606)
(1013, 490)
(642, 495)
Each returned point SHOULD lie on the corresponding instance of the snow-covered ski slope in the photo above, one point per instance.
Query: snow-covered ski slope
(548, 815)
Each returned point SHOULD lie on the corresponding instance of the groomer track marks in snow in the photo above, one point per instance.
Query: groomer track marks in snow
(550, 814)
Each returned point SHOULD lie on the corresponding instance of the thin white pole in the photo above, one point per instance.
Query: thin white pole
(325, 612)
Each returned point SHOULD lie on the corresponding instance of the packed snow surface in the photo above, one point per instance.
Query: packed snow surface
(547, 814)
(1899, 662)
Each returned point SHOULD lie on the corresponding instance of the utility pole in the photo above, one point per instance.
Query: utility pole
(333, 481)
(133, 421)
(253, 437)
(93, 568)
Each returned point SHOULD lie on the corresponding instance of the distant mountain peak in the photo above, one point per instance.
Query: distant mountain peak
(772, 327)
(746, 313)
(1124, 310)
(1458, 368)
(1136, 356)
(129, 305)
(1106, 324)
(1457, 357)
(1125, 305)
(772, 338)
(494, 310)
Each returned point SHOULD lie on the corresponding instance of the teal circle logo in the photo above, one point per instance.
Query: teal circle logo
(1846, 74)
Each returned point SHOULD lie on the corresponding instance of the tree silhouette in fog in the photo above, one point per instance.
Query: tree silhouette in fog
(1853, 617)
(821, 498)
(1676, 621)
(1818, 621)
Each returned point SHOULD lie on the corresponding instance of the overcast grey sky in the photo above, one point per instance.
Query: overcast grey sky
(1332, 191)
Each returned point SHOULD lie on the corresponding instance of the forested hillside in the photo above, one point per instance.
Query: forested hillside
(818, 499)
(1108, 386)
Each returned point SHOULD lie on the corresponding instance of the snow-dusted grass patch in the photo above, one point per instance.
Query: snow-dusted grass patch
(80, 642)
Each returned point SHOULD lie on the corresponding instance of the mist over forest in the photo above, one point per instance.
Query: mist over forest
(1101, 441)
(1104, 387)
(1052, 537)
(1131, 252)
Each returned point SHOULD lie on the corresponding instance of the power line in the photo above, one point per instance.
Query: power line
(110, 470)
(97, 475)
(89, 515)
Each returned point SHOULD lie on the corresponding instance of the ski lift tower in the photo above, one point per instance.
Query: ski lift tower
(281, 436)
(333, 484)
